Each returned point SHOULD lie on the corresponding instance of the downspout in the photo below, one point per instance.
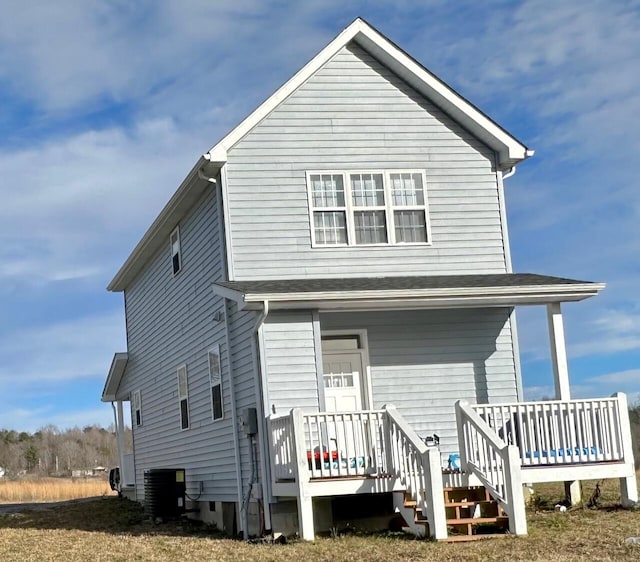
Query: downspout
(258, 359)
(232, 393)
(513, 325)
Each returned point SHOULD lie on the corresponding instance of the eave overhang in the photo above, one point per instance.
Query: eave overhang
(449, 293)
(158, 233)
(116, 372)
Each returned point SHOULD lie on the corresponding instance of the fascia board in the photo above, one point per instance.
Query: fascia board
(190, 189)
(509, 149)
(549, 292)
(220, 149)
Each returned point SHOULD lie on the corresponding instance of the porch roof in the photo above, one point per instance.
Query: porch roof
(116, 372)
(433, 291)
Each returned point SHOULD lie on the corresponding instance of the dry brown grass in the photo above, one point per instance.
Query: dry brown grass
(51, 490)
(116, 529)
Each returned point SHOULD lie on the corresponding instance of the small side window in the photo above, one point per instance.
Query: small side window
(215, 377)
(137, 409)
(183, 397)
(176, 254)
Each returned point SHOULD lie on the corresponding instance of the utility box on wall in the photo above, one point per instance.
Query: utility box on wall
(249, 421)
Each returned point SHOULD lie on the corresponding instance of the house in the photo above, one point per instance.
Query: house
(328, 288)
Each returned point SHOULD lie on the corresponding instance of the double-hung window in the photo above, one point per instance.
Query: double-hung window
(368, 208)
(183, 397)
(215, 378)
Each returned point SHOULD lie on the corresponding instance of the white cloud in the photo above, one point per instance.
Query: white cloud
(44, 357)
(22, 419)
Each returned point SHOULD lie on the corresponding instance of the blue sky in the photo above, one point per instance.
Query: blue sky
(106, 105)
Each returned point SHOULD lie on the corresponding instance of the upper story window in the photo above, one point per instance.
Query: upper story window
(215, 379)
(176, 253)
(137, 408)
(183, 397)
(368, 208)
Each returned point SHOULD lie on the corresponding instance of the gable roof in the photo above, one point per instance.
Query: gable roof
(509, 150)
(433, 291)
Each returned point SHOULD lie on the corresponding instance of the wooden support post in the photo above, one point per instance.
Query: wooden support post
(301, 467)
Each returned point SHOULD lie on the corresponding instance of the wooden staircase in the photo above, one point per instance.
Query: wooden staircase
(472, 514)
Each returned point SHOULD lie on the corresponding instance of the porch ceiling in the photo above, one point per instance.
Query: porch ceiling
(435, 291)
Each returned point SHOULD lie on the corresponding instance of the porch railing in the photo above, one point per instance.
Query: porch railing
(320, 445)
(560, 432)
(494, 462)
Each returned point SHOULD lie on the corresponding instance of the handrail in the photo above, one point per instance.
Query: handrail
(418, 468)
(495, 463)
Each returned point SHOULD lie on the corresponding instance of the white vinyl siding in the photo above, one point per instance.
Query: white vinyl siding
(183, 397)
(368, 208)
(215, 379)
(176, 251)
(355, 115)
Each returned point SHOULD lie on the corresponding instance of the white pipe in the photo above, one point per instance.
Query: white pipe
(263, 441)
(207, 178)
(510, 173)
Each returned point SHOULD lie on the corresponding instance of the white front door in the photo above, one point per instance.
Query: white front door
(342, 377)
(343, 384)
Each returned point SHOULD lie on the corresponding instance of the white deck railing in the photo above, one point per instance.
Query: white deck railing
(310, 447)
(495, 463)
(560, 432)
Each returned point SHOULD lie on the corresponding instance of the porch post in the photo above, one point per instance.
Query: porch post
(120, 438)
(303, 497)
(561, 378)
(558, 351)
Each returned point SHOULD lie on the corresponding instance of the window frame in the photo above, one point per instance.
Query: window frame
(136, 402)
(182, 370)
(215, 350)
(175, 231)
(389, 208)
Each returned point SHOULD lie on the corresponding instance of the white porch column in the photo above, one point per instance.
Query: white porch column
(558, 351)
(561, 378)
(120, 437)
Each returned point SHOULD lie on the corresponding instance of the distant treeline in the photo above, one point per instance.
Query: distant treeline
(51, 451)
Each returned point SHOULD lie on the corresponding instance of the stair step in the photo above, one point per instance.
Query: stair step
(470, 503)
(468, 538)
(474, 520)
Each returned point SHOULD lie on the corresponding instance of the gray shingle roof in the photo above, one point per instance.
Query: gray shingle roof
(397, 283)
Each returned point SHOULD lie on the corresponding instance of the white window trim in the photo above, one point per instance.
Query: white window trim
(175, 231)
(349, 209)
(215, 350)
(183, 369)
(136, 401)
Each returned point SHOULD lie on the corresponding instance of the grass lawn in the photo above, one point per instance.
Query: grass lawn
(116, 529)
